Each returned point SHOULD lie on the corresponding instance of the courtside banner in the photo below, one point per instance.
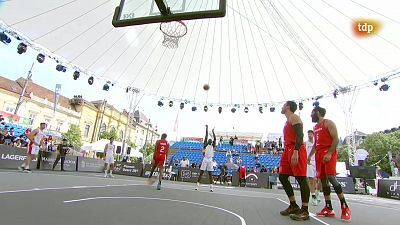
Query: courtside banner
(186, 174)
(254, 180)
(90, 164)
(346, 183)
(11, 157)
(388, 188)
(48, 159)
(129, 169)
(147, 171)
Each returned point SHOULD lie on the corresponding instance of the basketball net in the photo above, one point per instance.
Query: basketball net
(173, 31)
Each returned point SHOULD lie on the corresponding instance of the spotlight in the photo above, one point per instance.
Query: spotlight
(233, 110)
(90, 80)
(205, 108)
(260, 109)
(40, 58)
(182, 105)
(301, 106)
(384, 87)
(106, 87)
(194, 108)
(376, 83)
(61, 68)
(171, 103)
(76, 75)
(316, 104)
(335, 93)
(220, 110)
(22, 48)
(246, 109)
(384, 79)
(4, 38)
(272, 109)
(160, 103)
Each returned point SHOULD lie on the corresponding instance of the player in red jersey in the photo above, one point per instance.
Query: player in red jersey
(294, 163)
(162, 147)
(326, 141)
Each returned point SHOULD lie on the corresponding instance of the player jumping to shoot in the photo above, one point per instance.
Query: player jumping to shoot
(207, 161)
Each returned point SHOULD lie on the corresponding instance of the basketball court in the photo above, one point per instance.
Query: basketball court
(87, 198)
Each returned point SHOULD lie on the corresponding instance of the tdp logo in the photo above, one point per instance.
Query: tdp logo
(366, 27)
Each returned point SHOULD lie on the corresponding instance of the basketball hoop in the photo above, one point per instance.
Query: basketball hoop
(173, 31)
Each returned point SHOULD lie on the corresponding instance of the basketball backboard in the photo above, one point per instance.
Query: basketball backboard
(136, 12)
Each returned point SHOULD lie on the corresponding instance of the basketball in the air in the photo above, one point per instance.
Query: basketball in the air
(206, 87)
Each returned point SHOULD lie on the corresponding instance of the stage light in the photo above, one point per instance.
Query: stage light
(301, 106)
(260, 109)
(160, 103)
(220, 110)
(22, 48)
(384, 87)
(205, 108)
(375, 83)
(246, 109)
(171, 103)
(90, 80)
(76, 75)
(272, 109)
(4, 38)
(233, 110)
(182, 105)
(316, 104)
(194, 108)
(61, 68)
(40, 58)
(384, 79)
(106, 87)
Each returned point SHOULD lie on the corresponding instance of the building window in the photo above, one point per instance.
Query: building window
(103, 128)
(48, 122)
(32, 116)
(113, 129)
(142, 132)
(59, 125)
(121, 134)
(87, 129)
(10, 108)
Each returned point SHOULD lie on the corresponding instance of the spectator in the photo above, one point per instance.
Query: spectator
(194, 165)
(9, 138)
(242, 175)
(175, 170)
(185, 162)
(228, 153)
(254, 170)
(263, 169)
(239, 161)
(275, 170)
(2, 122)
(221, 140)
(223, 174)
(280, 142)
(215, 164)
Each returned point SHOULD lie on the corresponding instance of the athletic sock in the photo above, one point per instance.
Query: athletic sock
(110, 172)
(304, 208)
(105, 172)
(313, 196)
(293, 204)
(329, 204)
(343, 203)
(23, 165)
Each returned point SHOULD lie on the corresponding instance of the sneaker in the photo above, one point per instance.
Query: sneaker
(290, 210)
(105, 175)
(346, 214)
(325, 212)
(300, 216)
(211, 188)
(159, 186)
(197, 186)
(27, 171)
(314, 201)
(21, 168)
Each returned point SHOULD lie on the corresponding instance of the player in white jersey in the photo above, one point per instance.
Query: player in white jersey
(311, 169)
(207, 161)
(109, 152)
(36, 138)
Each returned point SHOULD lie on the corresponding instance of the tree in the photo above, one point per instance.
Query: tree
(74, 135)
(378, 145)
(131, 143)
(148, 151)
(109, 134)
(343, 153)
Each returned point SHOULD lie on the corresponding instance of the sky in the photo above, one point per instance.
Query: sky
(372, 110)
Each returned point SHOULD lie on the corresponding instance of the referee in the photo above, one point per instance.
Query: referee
(62, 152)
